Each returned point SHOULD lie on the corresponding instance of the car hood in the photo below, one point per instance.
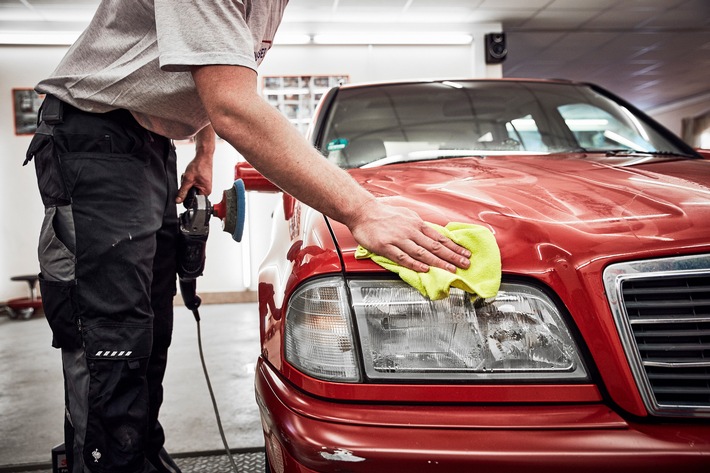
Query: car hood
(541, 207)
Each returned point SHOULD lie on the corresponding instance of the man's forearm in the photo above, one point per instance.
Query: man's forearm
(198, 173)
(276, 149)
(298, 169)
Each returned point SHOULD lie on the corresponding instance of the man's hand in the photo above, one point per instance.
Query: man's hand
(198, 173)
(399, 234)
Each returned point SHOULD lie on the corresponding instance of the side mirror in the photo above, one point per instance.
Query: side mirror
(253, 179)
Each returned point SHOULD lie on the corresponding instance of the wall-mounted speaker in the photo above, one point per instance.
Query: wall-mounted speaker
(496, 49)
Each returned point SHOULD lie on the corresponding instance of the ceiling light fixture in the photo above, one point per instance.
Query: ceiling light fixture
(292, 38)
(66, 38)
(38, 38)
(393, 38)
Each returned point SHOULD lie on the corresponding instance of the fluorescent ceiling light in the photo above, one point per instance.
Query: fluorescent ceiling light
(393, 38)
(292, 38)
(64, 14)
(37, 38)
(68, 37)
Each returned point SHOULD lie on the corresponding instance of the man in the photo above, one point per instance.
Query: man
(145, 72)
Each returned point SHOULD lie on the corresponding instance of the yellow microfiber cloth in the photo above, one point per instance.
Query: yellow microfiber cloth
(481, 278)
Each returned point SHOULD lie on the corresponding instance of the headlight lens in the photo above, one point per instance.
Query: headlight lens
(319, 338)
(518, 335)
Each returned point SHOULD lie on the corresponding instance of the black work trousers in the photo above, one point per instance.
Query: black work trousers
(107, 255)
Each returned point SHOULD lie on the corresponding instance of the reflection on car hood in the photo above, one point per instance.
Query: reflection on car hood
(582, 207)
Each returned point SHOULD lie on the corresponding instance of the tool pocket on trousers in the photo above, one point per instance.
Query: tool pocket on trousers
(58, 303)
(57, 279)
(117, 341)
(48, 168)
(111, 184)
(118, 398)
(57, 241)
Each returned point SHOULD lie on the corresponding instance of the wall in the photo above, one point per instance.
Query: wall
(23, 67)
(22, 209)
(671, 116)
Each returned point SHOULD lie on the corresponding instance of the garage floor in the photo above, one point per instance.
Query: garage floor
(31, 395)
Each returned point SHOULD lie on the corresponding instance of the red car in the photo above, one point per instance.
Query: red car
(595, 354)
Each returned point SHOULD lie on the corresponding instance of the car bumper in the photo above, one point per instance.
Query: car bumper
(307, 434)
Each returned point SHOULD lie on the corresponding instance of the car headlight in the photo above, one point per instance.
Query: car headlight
(517, 335)
(319, 334)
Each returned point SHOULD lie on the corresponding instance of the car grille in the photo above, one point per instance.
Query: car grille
(662, 311)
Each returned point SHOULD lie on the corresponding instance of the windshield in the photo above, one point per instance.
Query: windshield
(391, 123)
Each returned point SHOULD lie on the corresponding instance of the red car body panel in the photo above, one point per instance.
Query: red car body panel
(309, 434)
(602, 210)
(559, 221)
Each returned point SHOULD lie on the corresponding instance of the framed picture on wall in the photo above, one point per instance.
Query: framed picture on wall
(297, 96)
(26, 104)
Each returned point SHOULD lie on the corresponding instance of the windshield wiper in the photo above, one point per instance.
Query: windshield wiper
(422, 156)
(634, 152)
(672, 153)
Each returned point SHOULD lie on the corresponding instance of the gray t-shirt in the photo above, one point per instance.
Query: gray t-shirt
(137, 54)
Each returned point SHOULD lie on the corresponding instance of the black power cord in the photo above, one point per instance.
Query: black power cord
(209, 387)
(194, 230)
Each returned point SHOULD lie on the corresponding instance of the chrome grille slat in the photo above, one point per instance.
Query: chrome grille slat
(673, 304)
(672, 347)
(670, 320)
(682, 390)
(662, 311)
(677, 364)
(677, 376)
(651, 333)
(668, 290)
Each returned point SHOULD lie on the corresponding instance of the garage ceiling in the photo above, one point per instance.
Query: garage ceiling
(656, 53)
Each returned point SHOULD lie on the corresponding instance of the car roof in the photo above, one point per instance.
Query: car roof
(359, 85)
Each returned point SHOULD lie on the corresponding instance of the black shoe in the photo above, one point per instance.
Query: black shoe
(164, 463)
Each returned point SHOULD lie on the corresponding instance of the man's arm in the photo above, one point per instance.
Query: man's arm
(199, 171)
(275, 148)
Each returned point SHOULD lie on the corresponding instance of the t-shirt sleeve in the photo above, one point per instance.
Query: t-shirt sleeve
(204, 32)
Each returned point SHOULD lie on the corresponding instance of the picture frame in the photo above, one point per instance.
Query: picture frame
(297, 96)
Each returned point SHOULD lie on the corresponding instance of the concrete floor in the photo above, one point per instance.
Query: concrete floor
(31, 395)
